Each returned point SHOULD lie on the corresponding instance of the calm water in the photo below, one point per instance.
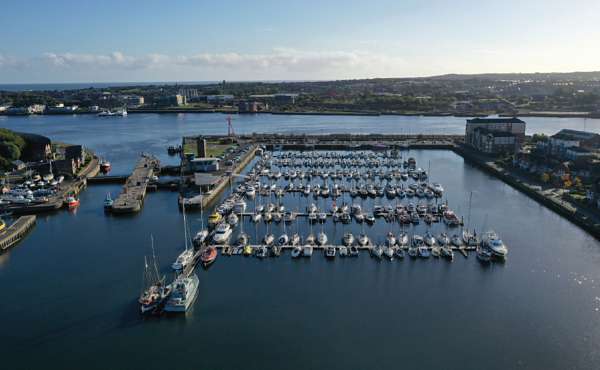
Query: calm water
(70, 287)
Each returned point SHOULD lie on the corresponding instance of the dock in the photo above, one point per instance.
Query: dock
(15, 232)
(134, 191)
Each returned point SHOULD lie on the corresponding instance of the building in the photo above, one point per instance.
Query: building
(574, 153)
(76, 153)
(476, 128)
(37, 148)
(205, 182)
(21, 111)
(132, 101)
(61, 109)
(65, 167)
(190, 94)
(218, 99)
(493, 142)
(171, 101)
(245, 106)
(203, 164)
(566, 138)
(280, 99)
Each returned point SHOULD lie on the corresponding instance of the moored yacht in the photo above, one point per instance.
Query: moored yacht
(183, 292)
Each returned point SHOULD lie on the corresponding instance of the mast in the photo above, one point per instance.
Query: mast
(185, 234)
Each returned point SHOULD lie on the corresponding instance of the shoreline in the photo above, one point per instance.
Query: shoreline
(333, 113)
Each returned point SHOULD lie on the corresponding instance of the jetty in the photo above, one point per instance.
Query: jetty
(15, 232)
(134, 191)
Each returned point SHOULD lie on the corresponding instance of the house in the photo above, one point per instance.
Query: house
(65, 167)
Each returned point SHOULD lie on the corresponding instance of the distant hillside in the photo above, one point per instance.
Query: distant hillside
(553, 76)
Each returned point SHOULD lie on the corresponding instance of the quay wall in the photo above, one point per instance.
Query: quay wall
(575, 217)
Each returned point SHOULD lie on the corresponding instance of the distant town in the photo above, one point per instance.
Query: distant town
(549, 94)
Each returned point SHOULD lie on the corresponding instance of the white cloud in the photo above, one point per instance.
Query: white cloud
(281, 59)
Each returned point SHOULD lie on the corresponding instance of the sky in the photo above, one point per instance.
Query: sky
(151, 40)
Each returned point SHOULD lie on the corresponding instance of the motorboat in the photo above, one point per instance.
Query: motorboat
(402, 239)
(232, 219)
(348, 239)
(108, 202)
(429, 239)
(283, 239)
(377, 251)
(295, 239)
(353, 251)
(447, 252)
(296, 251)
(330, 252)
(208, 256)
(215, 219)
(483, 254)
(390, 239)
(200, 238)
(242, 240)
(363, 240)
(72, 202)
(494, 244)
(222, 233)
(443, 239)
(424, 252)
(307, 250)
(261, 252)
(322, 238)
(388, 252)
(275, 250)
(310, 239)
(399, 252)
(269, 239)
(435, 251)
(185, 259)
(344, 251)
(257, 217)
(247, 250)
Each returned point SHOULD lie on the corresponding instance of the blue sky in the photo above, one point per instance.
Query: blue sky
(134, 40)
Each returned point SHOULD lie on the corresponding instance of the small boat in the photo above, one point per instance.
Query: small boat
(269, 239)
(105, 166)
(108, 202)
(247, 250)
(494, 245)
(72, 202)
(183, 292)
(296, 252)
(261, 252)
(447, 252)
(242, 240)
(343, 251)
(389, 252)
(424, 252)
(390, 240)
(353, 251)
(200, 238)
(399, 252)
(283, 239)
(330, 252)
(214, 219)
(307, 250)
(483, 255)
(348, 239)
(456, 240)
(370, 218)
(295, 239)
(322, 217)
(233, 219)
(256, 217)
(222, 233)
(208, 256)
(402, 239)
(435, 251)
(310, 239)
(377, 251)
(363, 240)
(429, 239)
(322, 238)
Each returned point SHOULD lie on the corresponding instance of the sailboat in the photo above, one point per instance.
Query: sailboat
(202, 235)
(108, 202)
(154, 290)
(186, 258)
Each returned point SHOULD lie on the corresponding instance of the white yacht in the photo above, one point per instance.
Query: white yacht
(363, 239)
(494, 244)
(222, 233)
(183, 292)
(307, 250)
(322, 238)
(348, 239)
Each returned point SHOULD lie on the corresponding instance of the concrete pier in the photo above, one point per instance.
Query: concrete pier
(15, 232)
(134, 191)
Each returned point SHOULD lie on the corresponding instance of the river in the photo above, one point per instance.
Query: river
(69, 288)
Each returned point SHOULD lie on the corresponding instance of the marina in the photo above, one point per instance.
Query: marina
(403, 299)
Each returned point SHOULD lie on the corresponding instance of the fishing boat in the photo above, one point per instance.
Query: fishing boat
(108, 202)
(208, 256)
(183, 292)
(222, 233)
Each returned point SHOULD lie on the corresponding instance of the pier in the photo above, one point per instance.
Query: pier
(15, 232)
(134, 191)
